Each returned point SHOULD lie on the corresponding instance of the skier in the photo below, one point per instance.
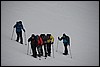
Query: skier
(33, 45)
(50, 40)
(66, 42)
(39, 44)
(19, 28)
(44, 38)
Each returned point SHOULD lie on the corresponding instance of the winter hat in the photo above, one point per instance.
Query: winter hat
(20, 22)
(33, 35)
(42, 35)
(64, 34)
(48, 34)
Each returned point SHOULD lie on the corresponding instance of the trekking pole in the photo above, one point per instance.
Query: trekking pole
(30, 51)
(70, 51)
(28, 48)
(57, 45)
(12, 34)
(53, 50)
(25, 38)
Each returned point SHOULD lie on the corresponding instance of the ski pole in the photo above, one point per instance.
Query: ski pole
(28, 48)
(53, 50)
(70, 51)
(57, 45)
(12, 34)
(25, 38)
(30, 51)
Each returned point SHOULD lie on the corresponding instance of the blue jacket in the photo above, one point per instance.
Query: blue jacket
(19, 27)
(66, 40)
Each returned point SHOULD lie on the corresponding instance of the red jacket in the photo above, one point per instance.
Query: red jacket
(40, 41)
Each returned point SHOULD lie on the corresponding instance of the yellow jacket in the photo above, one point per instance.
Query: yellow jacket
(51, 39)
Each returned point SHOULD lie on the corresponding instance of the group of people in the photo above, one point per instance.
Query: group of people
(37, 41)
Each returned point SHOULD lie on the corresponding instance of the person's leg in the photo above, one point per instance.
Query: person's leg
(49, 49)
(66, 50)
(17, 36)
(21, 39)
(45, 49)
(32, 50)
(41, 50)
(35, 52)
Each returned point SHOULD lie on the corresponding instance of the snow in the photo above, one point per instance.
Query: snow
(78, 19)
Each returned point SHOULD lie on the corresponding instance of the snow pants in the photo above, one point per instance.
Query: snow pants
(19, 35)
(66, 50)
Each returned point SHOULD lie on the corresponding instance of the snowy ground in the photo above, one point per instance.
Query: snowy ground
(78, 19)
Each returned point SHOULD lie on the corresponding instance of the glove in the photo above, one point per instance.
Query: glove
(69, 44)
(24, 30)
(52, 42)
(58, 38)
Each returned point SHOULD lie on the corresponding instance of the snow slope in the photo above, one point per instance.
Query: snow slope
(78, 19)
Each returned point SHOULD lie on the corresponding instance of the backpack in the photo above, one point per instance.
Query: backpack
(66, 40)
(18, 27)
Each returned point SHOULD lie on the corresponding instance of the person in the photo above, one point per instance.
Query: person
(66, 42)
(44, 38)
(50, 40)
(39, 44)
(19, 27)
(33, 41)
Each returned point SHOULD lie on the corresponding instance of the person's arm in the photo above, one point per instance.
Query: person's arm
(69, 41)
(14, 26)
(23, 28)
(52, 39)
(29, 39)
(60, 38)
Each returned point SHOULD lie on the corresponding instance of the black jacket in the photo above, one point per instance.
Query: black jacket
(33, 41)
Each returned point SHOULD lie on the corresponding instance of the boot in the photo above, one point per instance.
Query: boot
(21, 42)
(49, 54)
(17, 40)
(65, 53)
